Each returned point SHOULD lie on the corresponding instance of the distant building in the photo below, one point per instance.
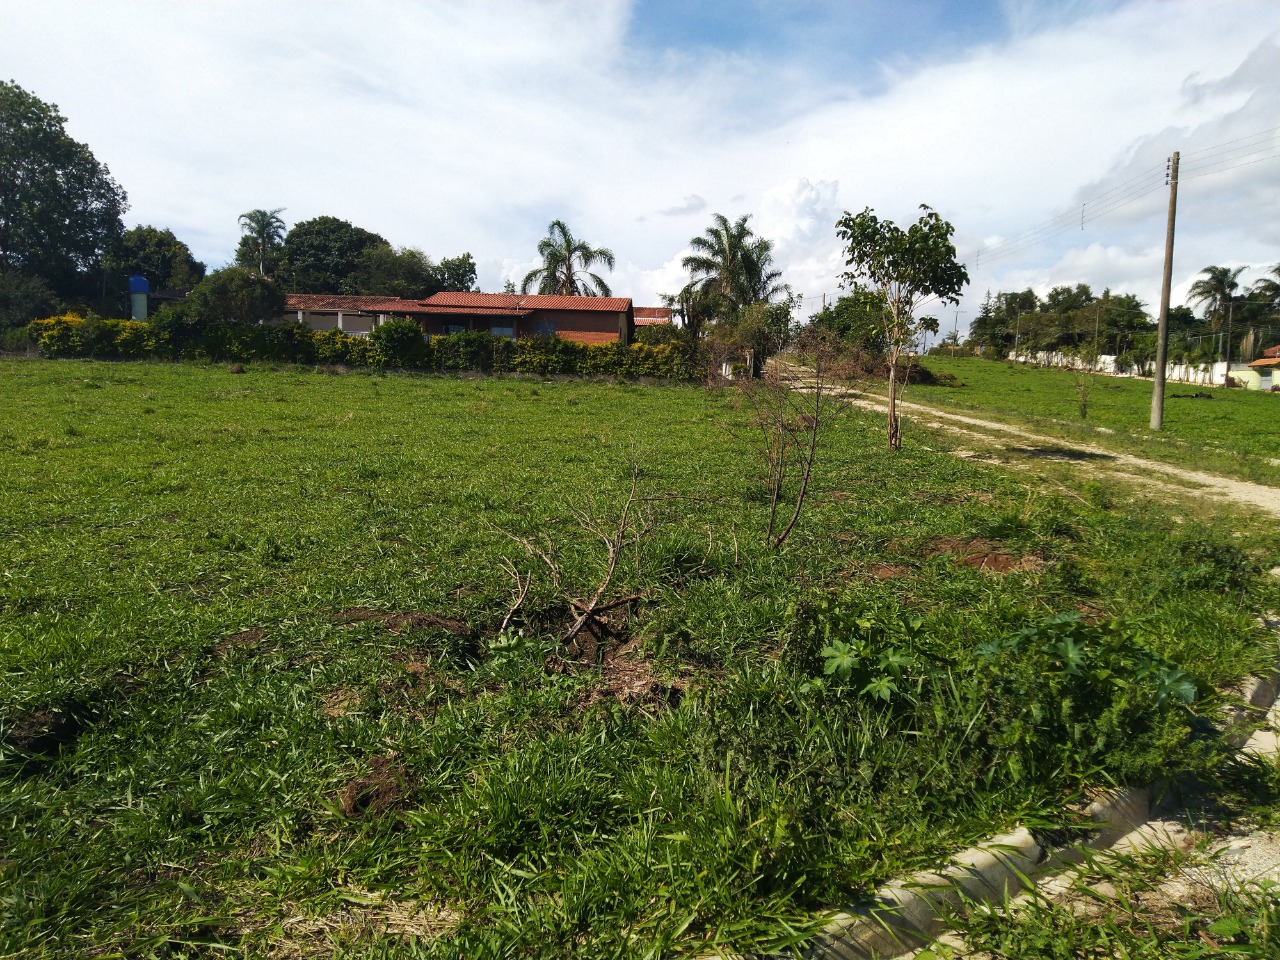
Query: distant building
(582, 319)
(652, 316)
(322, 311)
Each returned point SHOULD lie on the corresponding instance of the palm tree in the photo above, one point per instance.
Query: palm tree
(566, 265)
(263, 232)
(732, 264)
(1267, 290)
(1216, 290)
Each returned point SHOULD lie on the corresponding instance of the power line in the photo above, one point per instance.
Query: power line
(1248, 163)
(1251, 136)
(1216, 158)
(1228, 156)
(1085, 217)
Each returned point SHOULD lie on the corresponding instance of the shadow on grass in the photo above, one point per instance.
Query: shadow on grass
(1059, 453)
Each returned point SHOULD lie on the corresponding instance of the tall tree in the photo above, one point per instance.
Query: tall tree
(59, 208)
(732, 265)
(566, 265)
(323, 255)
(907, 267)
(263, 236)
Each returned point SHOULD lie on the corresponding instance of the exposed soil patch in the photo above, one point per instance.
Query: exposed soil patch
(45, 729)
(627, 677)
(982, 555)
(397, 622)
(888, 571)
(243, 639)
(339, 703)
(376, 792)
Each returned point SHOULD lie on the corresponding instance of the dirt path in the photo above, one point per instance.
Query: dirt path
(1020, 444)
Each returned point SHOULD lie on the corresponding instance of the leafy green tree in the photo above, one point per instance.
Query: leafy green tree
(566, 265)
(1005, 322)
(858, 319)
(731, 267)
(907, 267)
(406, 272)
(458, 274)
(324, 254)
(157, 255)
(262, 237)
(23, 298)
(237, 295)
(59, 207)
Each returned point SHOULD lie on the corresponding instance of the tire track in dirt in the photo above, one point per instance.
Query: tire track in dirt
(1020, 443)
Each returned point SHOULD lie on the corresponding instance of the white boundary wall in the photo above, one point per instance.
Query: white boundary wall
(1208, 374)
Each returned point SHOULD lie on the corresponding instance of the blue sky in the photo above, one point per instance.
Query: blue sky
(449, 125)
(844, 42)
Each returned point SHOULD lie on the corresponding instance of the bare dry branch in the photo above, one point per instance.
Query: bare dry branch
(522, 591)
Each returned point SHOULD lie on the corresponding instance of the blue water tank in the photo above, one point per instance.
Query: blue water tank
(139, 284)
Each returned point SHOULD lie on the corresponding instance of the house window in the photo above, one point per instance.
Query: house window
(502, 331)
(450, 328)
(544, 328)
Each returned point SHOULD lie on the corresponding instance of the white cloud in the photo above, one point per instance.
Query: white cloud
(469, 126)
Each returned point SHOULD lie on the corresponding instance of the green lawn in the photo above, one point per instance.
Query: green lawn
(1236, 432)
(253, 699)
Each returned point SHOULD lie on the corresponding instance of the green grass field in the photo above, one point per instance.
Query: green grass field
(254, 700)
(1236, 432)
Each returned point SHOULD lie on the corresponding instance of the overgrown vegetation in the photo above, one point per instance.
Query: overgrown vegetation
(183, 335)
(283, 669)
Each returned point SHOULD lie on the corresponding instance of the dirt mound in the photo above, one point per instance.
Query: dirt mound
(396, 622)
(376, 792)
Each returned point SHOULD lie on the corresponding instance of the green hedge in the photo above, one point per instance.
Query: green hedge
(397, 344)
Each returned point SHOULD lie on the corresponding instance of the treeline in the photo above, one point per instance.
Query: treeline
(1074, 321)
(1069, 320)
(397, 344)
(63, 245)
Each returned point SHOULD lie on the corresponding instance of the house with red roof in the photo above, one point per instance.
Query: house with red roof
(582, 319)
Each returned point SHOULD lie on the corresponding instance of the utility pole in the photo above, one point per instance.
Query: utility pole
(1097, 319)
(1162, 337)
(1226, 374)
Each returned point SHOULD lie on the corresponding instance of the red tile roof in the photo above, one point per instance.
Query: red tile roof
(420, 308)
(533, 301)
(648, 316)
(1271, 352)
(326, 301)
(499, 300)
(592, 304)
